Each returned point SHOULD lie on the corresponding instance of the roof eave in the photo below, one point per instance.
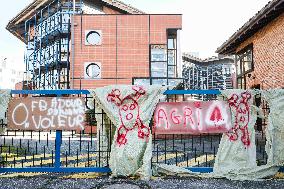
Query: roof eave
(248, 30)
(30, 10)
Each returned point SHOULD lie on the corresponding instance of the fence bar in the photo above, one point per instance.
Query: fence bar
(181, 92)
(67, 91)
(200, 169)
(56, 157)
(50, 92)
(56, 170)
(57, 148)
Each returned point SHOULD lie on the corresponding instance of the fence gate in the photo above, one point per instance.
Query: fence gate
(197, 152)
(84, 151)
(53, 151)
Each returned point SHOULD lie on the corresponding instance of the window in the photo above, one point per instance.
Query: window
(141, 81)
(93, 37)
(163, 60)
(159, 69)
(172, 53)
(158, 53)
(92, 70)
(158, 61)
(244, 66)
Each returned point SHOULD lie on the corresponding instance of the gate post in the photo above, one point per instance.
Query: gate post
(57, 149)
(58, 140)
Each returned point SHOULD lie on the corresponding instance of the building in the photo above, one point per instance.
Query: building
(95, 43)
(259, 49)
(9, 73)
(211, 73)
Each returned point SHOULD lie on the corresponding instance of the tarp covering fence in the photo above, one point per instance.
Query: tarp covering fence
(122, 139)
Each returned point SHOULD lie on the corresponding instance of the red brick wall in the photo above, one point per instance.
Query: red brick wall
(108, 10)
(268, 55)
(131, 37)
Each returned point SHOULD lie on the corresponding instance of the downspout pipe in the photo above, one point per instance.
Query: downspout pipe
(73, 41)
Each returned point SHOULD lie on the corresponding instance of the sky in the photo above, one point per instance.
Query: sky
(206, 23)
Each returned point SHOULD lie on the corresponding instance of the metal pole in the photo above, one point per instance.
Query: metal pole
(58, 140)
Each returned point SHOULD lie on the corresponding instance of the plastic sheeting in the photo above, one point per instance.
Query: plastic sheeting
(236, 156)
(130, 108)
(275, 130)
(237, 150)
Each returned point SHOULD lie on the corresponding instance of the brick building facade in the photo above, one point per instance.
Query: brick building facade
(259, 49)
(97, 43)
(125, 49)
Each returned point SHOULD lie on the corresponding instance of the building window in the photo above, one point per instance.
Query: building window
(163, 60)
(244, 65)
(172, 53)
(93, 37)
(158, 61)
(92, 70)
(163, 63)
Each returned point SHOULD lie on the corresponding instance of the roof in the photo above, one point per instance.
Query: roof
(262, 18)
(32, 8)
(128, 8)
(211, 60)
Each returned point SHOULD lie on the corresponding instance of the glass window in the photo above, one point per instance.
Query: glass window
(159, 69)
(244, 66)
(141, 81)
(238, 68)
(247, 66)
(171, 57)
(159, 82)
(158, 61)
(93, 70)
(171, 44)
(244, 61)
(158, 54)
(93, 38)
(172, 71)
(163, 60)
(175, 82)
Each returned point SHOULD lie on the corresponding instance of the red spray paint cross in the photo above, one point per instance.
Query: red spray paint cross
(129, 113)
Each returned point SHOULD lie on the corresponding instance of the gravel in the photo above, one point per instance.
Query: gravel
(54, 182)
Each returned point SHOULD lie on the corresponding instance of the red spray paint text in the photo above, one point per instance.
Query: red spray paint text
(192, 117)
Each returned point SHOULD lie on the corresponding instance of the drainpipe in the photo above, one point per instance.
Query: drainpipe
(73, 42)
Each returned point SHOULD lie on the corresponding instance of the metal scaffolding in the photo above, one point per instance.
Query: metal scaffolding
(48, 35)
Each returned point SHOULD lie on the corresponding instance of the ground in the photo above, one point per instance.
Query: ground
(93, 180)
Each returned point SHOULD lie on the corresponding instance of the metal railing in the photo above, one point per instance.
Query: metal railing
(60, 151)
